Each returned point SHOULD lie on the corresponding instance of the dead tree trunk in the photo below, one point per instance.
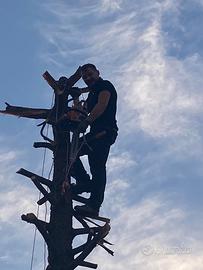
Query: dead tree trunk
(60, 250)
(59, 232)
(60, 226)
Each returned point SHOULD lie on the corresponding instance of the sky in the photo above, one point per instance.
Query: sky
(152, 52)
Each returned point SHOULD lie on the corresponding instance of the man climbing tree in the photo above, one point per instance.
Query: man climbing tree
(101, 106)
(60, 231)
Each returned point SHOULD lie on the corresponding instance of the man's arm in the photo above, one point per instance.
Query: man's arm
(100, 107)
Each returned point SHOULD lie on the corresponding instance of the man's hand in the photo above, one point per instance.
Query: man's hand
(83, 126)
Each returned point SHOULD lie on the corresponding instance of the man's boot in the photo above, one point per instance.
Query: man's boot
(82, 185)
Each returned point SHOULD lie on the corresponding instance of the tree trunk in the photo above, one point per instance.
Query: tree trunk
(60, 250)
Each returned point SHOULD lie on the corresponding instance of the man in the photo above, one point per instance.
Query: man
(101, 106)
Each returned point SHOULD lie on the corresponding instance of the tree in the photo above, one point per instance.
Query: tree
(59, 232)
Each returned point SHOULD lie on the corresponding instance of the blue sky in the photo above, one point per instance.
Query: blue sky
(152, 52)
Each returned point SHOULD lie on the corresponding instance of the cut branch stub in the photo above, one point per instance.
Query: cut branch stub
(43, 199)
(70, 82)
(35, 177)
(88, 264)
(40, 225)
(88, 249)
(107, 249)
(52, 82)
(30, 218)
(79, 199)
(37, 180)
(33, 113)
(49, 146)
(80, 231)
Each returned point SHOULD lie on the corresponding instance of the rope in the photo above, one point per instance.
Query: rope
(45, 216)
(74, 154)
(39, 197)
(35, 230)
(74, 151)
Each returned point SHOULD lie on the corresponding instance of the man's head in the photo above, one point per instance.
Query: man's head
(90, 74)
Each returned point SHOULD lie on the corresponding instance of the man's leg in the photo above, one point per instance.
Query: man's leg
(97, 161)
(79, 172)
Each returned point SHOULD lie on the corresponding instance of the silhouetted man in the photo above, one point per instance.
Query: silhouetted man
(101, 106)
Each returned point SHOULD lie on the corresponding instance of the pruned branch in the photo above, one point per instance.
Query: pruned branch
(90, 245)
(80, 231)
(33, 113)
(52, 82)
(88, 264)
(81, 220)
(79, 198)
(107, 249)
(40, 225)
(35, 177)
(88, 249)
(43, 199)
(37, 184)
(70, 81)
(74, 78)
(44, 145)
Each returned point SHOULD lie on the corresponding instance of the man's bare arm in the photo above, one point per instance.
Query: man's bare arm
(100, 107)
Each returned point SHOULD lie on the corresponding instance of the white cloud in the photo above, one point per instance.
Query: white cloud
(7, 157)
(160, 98)
(16, 198)
(119, 162)
(151, 226)
(162, 91)
(111, 5)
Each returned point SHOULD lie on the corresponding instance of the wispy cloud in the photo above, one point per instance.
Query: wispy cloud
(17, 197)
(157, 88)
(136, 44)
(121, 162)
(113, 5)
(151, 235)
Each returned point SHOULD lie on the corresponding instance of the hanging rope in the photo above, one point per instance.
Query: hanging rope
(39, 197)
(45, 216)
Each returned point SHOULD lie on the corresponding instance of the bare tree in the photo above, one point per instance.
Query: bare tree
(59, 232)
